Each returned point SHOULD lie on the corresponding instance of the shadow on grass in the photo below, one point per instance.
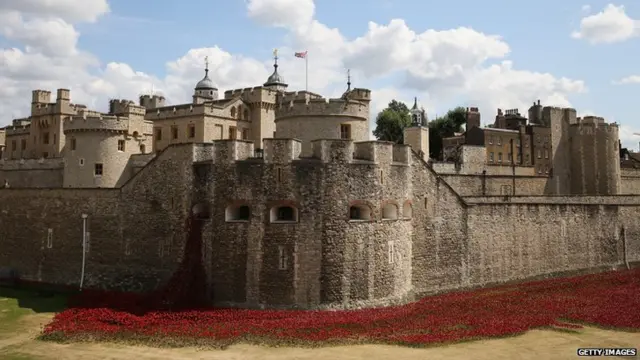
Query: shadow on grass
(39, 301)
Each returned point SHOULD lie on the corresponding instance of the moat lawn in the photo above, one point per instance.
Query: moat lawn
(609, 300)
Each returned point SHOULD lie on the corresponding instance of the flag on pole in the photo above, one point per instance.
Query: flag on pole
(303, 55)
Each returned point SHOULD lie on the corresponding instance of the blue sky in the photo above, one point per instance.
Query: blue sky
(147, 36)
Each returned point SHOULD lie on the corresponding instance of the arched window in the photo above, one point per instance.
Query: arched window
(359, 212)
(238, 213)
(407, 210)
(233, 111)
(246, 114)
(284, 214)
(390, 212)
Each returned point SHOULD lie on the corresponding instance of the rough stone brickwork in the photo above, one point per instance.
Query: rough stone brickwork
(629, 181)
(412, 232)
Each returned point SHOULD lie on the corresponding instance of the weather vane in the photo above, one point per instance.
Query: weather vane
(275, 54)
(206, 62)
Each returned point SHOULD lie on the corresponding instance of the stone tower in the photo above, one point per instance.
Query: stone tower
(205, 89)
(417, 135)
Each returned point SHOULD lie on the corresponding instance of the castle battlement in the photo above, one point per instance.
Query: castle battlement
(31, 164)
(377, 152)
(17, 130)
(281, 151)
(298, 95)
(322, 107)
(255, 94)
(125, 107)
(83, 122)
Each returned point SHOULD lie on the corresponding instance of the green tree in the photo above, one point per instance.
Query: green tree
(443, 127)
(390, 122)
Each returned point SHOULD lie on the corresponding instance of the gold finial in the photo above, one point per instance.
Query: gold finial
(206, 62)
(275, 53)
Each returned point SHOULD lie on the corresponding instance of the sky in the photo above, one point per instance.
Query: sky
(491, 54)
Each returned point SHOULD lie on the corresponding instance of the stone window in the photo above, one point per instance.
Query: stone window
(55, 138)
(73, 144)
(121, 145)
(142, 148)
(539, 154)
(490, 139)
(279, 175)
(426, 203)
(97, 170)
(233, 134)
(359, 212)
(282, 258)
(23, 144)
(237, 213)
(517, 142)
(499, 157)
(233, 111)
(245, 134)
(158, 134)
(246, 114)
(391, 251)
(174, 132)
(499, 142)
(45, 138)
(284, 214)
(81, 162)
(345, 131)
(389, 212)
(546, 153)
(191, 131)
(407, 210)
(49, 238)
(381, 177)
(491, 157)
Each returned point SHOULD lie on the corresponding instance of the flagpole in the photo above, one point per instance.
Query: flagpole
(306, 71)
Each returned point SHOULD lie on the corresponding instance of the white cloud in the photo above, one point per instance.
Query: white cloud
(442, 68)
(628, 137)
(608, 26)
(67, 10)
(632, 79)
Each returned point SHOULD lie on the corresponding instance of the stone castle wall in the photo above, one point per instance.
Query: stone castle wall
(474, 185)
(421, 236)
(630, 181)
(32, 173)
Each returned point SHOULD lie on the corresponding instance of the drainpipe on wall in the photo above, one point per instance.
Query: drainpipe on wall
(84, 247)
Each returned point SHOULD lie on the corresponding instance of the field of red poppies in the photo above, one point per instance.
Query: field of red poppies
(608, 299)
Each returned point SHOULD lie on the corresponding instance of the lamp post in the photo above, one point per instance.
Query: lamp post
(84, 247)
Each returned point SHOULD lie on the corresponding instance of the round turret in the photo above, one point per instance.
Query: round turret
(205, 89)
(97, 150)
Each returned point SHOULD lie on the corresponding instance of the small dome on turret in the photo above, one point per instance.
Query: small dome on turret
(276, 80)
(206, 83)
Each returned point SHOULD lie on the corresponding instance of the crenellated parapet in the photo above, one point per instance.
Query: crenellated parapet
(281, 151)
(252, 95)
(322, 107)
(373, 152)
(96, 123)
(124, 107)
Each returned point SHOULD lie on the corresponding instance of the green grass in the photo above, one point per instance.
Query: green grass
(16, 303)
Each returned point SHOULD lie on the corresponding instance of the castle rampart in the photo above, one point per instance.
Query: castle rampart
(97, 123)
(328, 232)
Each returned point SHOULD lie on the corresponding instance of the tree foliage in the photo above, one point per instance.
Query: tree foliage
(390, 122)
(443, 127)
